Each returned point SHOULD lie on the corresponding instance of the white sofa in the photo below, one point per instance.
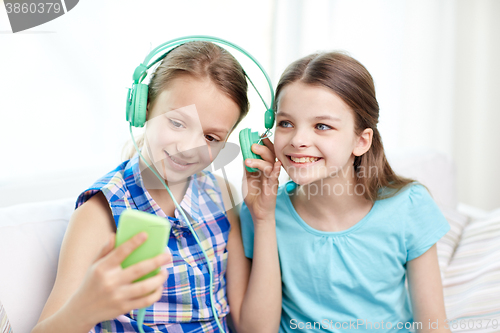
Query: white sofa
(469, 255)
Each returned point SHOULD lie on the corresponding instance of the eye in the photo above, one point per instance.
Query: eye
(284, 123)
(176, 124)
(211, 138)
(323, 127)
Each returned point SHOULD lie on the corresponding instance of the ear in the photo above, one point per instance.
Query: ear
(147, 111)
(363, 142)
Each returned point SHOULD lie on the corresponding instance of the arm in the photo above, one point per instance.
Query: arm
(89, 275)
(254, 287)
(238, 269)
(89, 228)
(426, 291)
(261, 306)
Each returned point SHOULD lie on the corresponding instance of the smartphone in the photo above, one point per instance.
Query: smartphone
(131, 223)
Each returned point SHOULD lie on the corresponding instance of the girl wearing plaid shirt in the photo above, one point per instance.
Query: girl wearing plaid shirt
(197, 96)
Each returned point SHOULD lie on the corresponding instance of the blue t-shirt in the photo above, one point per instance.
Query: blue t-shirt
(351, 280)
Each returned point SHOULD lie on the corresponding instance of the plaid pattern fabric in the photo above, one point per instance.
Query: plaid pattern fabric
(185, 304)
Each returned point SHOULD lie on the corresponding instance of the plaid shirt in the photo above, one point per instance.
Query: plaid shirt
(185, 303)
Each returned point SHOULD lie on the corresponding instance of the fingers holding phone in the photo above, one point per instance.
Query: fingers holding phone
(127, 273)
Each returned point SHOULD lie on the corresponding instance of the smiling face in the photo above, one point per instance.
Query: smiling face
(187, 126)
(315, 137)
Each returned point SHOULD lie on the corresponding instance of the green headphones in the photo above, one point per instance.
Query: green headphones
(137, 96)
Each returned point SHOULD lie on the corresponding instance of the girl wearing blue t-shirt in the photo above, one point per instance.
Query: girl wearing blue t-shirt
(349, 231)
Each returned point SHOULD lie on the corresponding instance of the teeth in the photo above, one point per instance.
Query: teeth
(304, 159)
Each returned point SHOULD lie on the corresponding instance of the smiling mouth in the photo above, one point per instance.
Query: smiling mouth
(177, 161)
(304, 160)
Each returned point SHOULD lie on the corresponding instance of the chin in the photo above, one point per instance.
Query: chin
(302, 180)
(176, 175)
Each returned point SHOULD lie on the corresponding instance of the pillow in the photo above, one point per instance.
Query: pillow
(472, 280)
(4, 321)
(30, 240)
(447, 245)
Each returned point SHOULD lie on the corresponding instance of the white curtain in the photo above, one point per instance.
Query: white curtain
(436, 71)
(63, 83)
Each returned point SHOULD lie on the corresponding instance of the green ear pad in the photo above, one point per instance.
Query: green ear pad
(139, 105)
(247, 139)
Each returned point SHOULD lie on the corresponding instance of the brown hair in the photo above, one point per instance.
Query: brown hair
(199, 59)
(352, 82)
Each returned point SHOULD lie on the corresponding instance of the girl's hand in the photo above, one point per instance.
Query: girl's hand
(260, 188)
(107, 289)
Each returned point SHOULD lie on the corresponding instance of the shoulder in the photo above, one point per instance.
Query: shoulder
(411, 196)
(423, 222)
(222, 190)
(411, 207)
(92, 208)
(421, 205)
(112, 185)
(209, 180)
(418, 193)
(419, 198)
(414, 205)
(95, 213)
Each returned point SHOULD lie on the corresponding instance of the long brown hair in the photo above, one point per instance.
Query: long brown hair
(352, 82)
(199, 59)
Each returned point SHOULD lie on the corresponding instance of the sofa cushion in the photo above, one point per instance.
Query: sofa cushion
(30, 240)
(447, 245)
(472, 279)
(4, 321)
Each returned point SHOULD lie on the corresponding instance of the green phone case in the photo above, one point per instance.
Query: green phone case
(131, 223)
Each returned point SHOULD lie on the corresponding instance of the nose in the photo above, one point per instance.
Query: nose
(300, 139)
(189, 146)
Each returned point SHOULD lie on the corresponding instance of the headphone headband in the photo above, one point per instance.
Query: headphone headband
(141, 70)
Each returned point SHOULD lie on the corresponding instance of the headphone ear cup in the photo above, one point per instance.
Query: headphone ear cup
(139, 105)
(247, 139)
